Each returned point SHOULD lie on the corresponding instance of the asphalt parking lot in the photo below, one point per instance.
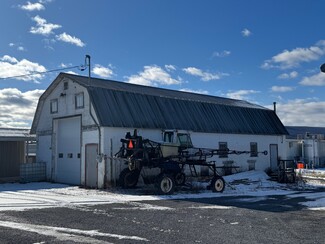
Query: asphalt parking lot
(229, 219)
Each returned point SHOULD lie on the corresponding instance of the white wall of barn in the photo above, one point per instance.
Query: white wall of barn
(44, 153)
(66, 108)
(66, 105)
(111, 145)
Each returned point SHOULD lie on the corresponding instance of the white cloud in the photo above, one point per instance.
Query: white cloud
(32, 6)
(102, 71)
(241, 94)
(246, 33)
(222, 54)
(17, 108)
(70, 39)
(290, 59)
(314, 80)
(302, 112)
(205, 76)
(42, 27)
(282, 88)
(19, 46)
(10, 66)
(200, 91)
(290, 75)
(170, 67)
(153, 76)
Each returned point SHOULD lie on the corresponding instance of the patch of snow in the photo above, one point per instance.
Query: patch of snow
(255, 184)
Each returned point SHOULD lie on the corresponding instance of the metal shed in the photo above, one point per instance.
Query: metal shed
(14, 151)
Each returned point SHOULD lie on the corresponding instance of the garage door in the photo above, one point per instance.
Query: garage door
(68, 168)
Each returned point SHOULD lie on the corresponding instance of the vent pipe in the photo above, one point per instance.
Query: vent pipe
(274, 107)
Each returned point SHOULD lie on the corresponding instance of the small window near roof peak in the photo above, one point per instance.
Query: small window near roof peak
(54, 106)
(66, 85)
(79, 100)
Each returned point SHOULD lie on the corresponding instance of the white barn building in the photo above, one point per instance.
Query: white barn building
(78, 118)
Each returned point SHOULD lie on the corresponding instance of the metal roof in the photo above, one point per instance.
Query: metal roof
(294, 131)
(15, 134)
(120, 104)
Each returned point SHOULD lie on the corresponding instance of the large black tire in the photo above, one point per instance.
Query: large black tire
(128, 178)
(165, 184)
(218, 184)
(180, 178)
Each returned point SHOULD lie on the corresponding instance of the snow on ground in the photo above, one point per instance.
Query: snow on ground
(252, 183)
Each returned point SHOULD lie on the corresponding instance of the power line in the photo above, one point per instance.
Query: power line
(40, 73)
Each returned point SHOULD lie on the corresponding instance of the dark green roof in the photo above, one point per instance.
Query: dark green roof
(120, 104)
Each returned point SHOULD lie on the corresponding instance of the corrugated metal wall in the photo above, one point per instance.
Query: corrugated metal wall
(11, 156)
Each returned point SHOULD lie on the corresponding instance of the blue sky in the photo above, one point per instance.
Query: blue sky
(259, 51)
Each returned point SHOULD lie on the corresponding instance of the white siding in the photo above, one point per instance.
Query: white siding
(44, 153)
(201, 140)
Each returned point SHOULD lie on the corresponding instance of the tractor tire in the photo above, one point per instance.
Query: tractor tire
(128, 178)
(165, 184)
(180, 178)
(218, 184)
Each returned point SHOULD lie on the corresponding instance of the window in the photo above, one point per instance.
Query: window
(168, 136)
(253, 149)
(79, 100)
(65, 85)
(223, 150)
(54, 106)
(184, 140)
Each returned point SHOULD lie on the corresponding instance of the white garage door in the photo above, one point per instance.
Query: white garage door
(68, 151)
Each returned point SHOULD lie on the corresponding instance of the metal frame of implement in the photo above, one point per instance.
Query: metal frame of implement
(143, 153)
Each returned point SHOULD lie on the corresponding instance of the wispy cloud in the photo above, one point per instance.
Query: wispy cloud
(42, 27)
(32, 6)
(282, 88)
(10, 66)
(302, 112)
(205, 76)
(314, 80)
(224, 53)
(17, 108)
(200, 91)
(64, 37)
(246, 32)
(290, 75)
(241, 94)
(170, 67)
(18, 46)
(153, 76)
(101, 71)
(291, 59)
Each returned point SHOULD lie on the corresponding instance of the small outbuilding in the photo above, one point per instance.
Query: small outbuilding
(79, 122)
(15, 149)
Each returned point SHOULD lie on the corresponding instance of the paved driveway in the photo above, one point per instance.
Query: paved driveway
(74, 215)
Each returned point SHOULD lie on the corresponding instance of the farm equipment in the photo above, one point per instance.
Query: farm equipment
(286, 171)
(169, 159)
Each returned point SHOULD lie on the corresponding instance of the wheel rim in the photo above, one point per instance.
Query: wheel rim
(218, 185)
(166, 184)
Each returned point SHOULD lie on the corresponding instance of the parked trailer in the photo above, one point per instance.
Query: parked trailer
(140, 153)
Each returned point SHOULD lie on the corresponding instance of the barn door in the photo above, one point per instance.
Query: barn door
(274, 157)
(91, 165)
(68, 168)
